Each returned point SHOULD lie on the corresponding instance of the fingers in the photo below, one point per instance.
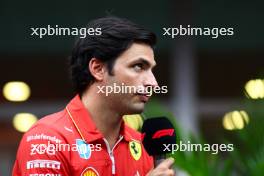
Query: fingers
(161, 172)
(166, 163)
(163, 169)
(169, 172)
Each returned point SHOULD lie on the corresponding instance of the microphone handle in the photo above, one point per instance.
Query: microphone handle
(158, 159)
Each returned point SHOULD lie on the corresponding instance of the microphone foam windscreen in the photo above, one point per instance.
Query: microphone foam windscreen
(157, 133)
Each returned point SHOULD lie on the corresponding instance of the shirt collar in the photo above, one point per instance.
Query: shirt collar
(85, 126)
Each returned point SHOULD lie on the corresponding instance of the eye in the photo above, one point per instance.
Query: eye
(138, 67)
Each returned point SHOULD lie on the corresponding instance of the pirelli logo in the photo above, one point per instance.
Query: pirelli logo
(50, 164)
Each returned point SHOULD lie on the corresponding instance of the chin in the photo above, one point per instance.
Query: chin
(137, 109)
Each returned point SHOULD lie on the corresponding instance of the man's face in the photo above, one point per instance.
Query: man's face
(133, 68)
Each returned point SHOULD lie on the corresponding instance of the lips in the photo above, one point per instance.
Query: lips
(144, 97)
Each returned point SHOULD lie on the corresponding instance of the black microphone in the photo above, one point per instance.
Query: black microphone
(157, 133)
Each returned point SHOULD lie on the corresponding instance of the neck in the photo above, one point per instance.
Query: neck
(107, 121)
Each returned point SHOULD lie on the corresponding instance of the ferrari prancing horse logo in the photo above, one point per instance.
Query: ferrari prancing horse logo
(135, 149)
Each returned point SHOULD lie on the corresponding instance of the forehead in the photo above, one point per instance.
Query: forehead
(137, 51)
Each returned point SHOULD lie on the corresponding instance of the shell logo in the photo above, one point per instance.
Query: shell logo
(89, 171)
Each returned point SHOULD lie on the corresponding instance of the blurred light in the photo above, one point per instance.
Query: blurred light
(16, 91)
(255, 88)
(134, 121)
(235, 120)
(23, 121)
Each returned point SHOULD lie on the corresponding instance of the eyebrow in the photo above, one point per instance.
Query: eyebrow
(145, 62)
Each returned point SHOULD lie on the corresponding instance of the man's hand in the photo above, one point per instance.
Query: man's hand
(163, 169)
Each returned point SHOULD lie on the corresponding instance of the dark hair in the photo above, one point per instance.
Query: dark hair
(117, 35)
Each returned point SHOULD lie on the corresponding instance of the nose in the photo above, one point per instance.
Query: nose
(150, 80)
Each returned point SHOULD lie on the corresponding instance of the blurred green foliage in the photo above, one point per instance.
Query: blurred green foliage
(248, 156)
(247, 159)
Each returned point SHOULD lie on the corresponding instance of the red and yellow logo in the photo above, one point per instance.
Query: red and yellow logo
(135, 149)
(89, 171)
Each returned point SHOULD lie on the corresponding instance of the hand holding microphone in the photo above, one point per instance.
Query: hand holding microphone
(159, 132)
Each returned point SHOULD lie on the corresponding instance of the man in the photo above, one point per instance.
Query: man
(89, 137)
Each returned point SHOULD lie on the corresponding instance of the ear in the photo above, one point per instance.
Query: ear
(97, 69)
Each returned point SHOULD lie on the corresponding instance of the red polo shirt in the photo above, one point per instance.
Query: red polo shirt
(68, 143)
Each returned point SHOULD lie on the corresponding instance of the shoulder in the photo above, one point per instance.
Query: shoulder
(39, 144)
(47, 129)
(52, 123)
(52, 120)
